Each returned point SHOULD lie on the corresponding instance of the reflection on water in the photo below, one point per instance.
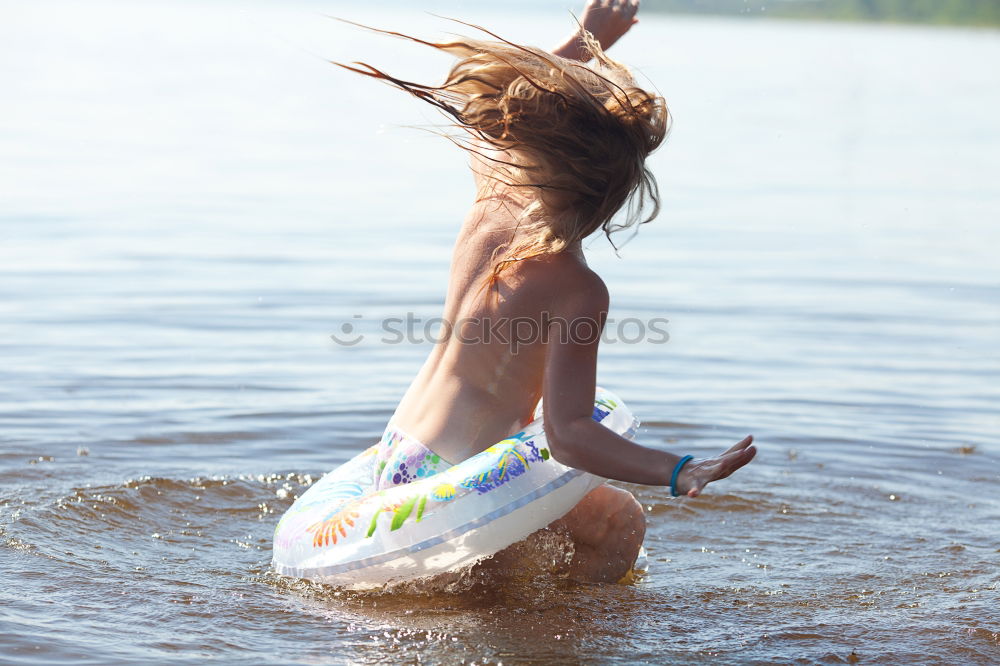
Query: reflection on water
(194, 201)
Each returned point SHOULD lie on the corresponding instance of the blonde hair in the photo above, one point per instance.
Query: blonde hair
(576, 136)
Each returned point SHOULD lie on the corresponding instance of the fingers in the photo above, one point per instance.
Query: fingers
(628, 8)
(735, 460)
(615, 10)
(740, 445)
(703, 472)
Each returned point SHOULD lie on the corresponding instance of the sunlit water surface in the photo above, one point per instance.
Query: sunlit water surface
(193, 200)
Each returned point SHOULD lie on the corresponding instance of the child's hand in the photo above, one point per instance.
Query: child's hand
(608, 20)
(697, 474)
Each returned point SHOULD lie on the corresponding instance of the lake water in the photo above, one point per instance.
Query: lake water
(192, 200)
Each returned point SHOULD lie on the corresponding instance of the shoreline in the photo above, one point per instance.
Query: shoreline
(821, 10)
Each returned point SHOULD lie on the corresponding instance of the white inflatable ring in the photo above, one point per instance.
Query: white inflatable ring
(343, 532)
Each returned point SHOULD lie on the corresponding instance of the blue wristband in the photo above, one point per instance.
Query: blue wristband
(677, 470)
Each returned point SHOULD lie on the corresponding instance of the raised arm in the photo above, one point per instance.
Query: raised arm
(576, 440)
(606, 20)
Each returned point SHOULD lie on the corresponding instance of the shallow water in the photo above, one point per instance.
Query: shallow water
(193, 201)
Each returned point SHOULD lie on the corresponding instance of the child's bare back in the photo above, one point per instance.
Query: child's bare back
(484, 378)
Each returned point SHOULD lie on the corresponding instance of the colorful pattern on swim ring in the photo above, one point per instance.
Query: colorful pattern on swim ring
(344, 523)
(401, 459)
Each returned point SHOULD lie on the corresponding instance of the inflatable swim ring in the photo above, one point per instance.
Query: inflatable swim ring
(343, 532)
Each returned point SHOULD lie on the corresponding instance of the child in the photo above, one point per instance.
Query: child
(558, 148)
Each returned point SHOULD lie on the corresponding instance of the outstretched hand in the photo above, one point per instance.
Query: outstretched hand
(699, 473)
(606, 20)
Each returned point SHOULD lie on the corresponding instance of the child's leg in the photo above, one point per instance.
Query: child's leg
(607, 527)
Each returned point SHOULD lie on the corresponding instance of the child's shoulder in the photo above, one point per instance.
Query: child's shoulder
(567, 276)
